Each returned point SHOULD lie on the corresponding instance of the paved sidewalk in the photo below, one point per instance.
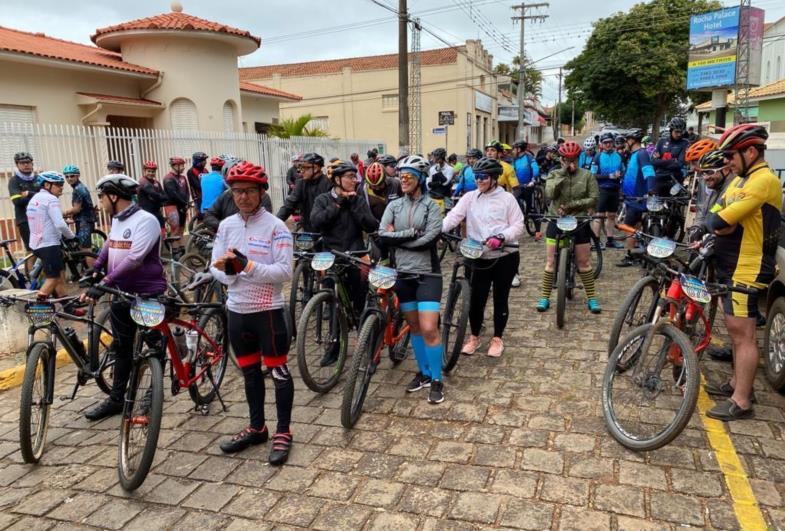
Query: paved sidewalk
(518, 443)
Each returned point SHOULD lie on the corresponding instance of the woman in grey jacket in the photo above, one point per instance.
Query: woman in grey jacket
(411, 226)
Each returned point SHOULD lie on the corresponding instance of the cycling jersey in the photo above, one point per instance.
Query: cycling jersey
(17, 184)
(213, 185)
(604, 167)
(176, 188)
(585, 159)
(342, 221)
(194, 176)
(47, 225)
(267, 243)
(638, 175)
(151, 197)
(301, 199)
(439, 182)
(508, 180)
(81, 196)
(378, 200)
(131, 254)
(526, 169)
(668, 160)
(412, 227)
(577, 192)
(751, 204)
(466, 181)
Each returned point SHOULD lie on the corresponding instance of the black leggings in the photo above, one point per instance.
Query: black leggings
(527, 197)
(500, 273)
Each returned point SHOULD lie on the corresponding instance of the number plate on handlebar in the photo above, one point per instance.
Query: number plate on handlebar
(40, 313)
(304, 242)
(660, 248)
(567, 223)
(471, 248)
(654, 204)
(147, 312)
(695, 289)
(322, 261)
(382, 277)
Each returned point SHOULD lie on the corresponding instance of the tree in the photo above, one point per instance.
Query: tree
(633, 68)
(289, 127)
(533, 81)
(564, 112)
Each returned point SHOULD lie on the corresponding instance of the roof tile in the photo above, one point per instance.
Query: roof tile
(772, 89)
(269, 91)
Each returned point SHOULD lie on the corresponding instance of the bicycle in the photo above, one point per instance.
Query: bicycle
(458, 298)
(180, 271)
(17, 275)
(304, 277)
(539, 205)
(202, 370)
(37, 393)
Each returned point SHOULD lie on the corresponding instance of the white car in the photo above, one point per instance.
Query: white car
(774, 334)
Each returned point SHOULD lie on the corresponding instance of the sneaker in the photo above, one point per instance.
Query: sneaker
(282, 443)
(543, 305)
(594, 306)
(418, 382)
(436, 396)
(104, 409)
(73, 308)
(613, 244)
(496, 348)
(247, 437)
(720, 353)
(516, 281)
(537, 236)
(471, 345)
(627, 261)
(331, 356)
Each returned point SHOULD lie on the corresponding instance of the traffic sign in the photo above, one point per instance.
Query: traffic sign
(446, 118)
(439, 130)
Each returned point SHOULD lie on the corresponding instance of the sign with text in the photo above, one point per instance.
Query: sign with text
(446, 118)
(714, 40)
(483, 102)
(439, 131)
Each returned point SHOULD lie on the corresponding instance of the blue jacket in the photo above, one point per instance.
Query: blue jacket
(639, 175)
(212, 186)
(604, 165)
(466, 181)
(671, 161)
(526, 169)
(585, 160)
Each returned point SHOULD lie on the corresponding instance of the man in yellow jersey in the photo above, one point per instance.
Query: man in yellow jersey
(746, 220)
(508, 180)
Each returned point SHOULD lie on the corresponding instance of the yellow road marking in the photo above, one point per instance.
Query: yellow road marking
(745, 505)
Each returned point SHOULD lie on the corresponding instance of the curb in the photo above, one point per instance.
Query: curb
(10, 378)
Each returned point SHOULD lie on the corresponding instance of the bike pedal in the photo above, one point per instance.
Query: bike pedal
(204, 409)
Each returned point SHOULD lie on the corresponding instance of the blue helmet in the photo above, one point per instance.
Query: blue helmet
(70, 169)
(52, 177)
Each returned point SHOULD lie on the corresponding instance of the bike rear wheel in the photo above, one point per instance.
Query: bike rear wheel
(320, 341)
(454, 320)
(35, 402)
(208, 362)
(97, 240)
(595, 257)
(645, 402)
(363, 367)
(300, 292)
(636, 309)
(561, 286)
(105, 355)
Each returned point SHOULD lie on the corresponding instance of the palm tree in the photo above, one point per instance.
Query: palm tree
(289, 127)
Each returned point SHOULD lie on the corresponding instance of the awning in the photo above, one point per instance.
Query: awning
(89, 98)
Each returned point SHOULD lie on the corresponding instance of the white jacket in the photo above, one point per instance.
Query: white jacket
(267, 243)
(46, 221)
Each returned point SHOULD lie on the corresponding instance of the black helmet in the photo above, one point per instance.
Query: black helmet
(199, 156)
(606, 136)
(521, 144)
(712, 160)
(635, 134)
(560, 140)
(117, 184)
(678, 123)
(474, 153)
(619, 141)
(341, 168)
(387, 160)
(372, 153)
(23, 156)
(313, 158)
(439, 153)
(115, 165)
(452, 158)
(488, 166)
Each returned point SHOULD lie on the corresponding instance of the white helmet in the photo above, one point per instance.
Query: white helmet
(117, 184)
(589, 143)
(414, 162)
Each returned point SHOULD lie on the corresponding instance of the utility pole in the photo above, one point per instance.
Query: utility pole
(403, 78)
(572, 121)
(522, 17)
(557, 120)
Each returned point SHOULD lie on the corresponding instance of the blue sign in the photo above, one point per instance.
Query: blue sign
(712, 56)
(439, 130)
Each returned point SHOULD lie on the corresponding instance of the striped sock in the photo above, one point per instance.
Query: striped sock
(547, 284)
(587, 277)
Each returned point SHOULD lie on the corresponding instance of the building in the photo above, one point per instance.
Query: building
(140, 74)
(767, 106)
(358, 97)
(773, 55)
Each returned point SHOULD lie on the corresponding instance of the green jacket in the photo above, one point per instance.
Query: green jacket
(578, 192)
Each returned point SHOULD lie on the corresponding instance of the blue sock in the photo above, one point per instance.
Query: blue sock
(434, 354)
(418, 345)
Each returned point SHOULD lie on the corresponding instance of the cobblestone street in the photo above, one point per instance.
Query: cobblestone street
(518, 443)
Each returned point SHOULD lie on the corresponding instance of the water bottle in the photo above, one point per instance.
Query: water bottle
(191, 339)
(75, 342)
(179, 341)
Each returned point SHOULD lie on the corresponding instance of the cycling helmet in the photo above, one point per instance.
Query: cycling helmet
(372, 153)
(248, 172)
(605, 137)
(521, 144)
(387, 160)
(70, 169)
(313, 158)
(150, 165)
(495, 144)
(416, 165)
(23, 156)
(488, 166)
(743, 136)
(678, 123)
(590, 143)
(217, 162)
(699, 148)
(506, 147)
(474, 153)
(176, 160)
(635, 134)
(117, 184)
(51, 177)
(646, 140)
(333, 163)
(230, 163)
(439, 153)
(712, 159)
(374, 175)
(115, 165)
(619, 141)
(570, 150)
(198, 157)
(552, 148)
(560, 140)
(342, 167)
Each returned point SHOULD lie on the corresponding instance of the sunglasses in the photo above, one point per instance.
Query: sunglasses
(712, 172)
(408, 177)
(482, 176)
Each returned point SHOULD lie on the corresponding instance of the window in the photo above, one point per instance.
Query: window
(183, 115)
(319, 122)
(18, 119)
(229, 116)
(779, 69)
(767, 77)
(389, 101)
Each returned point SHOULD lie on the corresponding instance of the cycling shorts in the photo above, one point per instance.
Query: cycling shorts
(633, 214)
(581, 235)
(739, 304)
(421, 294)
(259, 336)
(52, 257)
(176, 220)
(608, 200)
(84, 232)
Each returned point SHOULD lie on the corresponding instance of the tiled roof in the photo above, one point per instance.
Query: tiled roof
(40, 45)
(441, 56)
(175, 21)
(120, 99)
(772, 89)
(247, 86)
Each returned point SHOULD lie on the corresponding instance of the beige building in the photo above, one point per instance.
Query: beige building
(170, 71)
(358, 97)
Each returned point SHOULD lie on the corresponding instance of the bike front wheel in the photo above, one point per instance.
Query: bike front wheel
(36, 401)
(561, 286)
(454, 320)
(300, 292)
(596, 256)
(636, 309)
(322, 342)
(363, 367)
(208, 362)
(106, 355)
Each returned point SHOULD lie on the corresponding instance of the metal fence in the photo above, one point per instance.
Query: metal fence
(89, 148)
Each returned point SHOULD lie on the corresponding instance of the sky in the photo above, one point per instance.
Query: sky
(309, 30)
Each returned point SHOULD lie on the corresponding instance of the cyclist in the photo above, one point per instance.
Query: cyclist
(373, 154)
(508, 180)
(176, 206)
(692, 136)
(746, 221)
(620, 143)
(493, 217)
(253, 257)
(588, 153)
(225, 206)
(697, 150)
(440, 177)
(293, 173)
(150, 193)
(648, 144)
(213, 184)
(312, 184)
(380, 188)
(82, 210)
(572, 191)
(527, 171)
(114, 167)
(131, 259)
(546, 159)
(355, 158)
(466, 182)
(637, 177)
(453, 161)
(47, 227)
(668, 157)
(22, 186)
(194, 175)
(608, 168)
(411, 226)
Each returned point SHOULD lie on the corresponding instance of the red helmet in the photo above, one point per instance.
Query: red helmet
(743, 136)
(149, 165)
(217, 161)
(570, 150)
(374, 175)
(176, 160)
(248, 172)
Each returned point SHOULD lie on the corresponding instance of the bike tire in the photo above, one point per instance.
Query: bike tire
(625, 319)
(612, 399)
(596, 256)
(317, 378)
(298, 293)
(454, 326)
(213, 364)
(105, 378)
(132, 475)
(77, 263)
(97, 240)
(31, 411)
(189, 265)
(7, 281)
(774, 344)
(397, 352)
(356, 388)
(561, 287)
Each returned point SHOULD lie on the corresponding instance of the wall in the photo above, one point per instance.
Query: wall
(255, 109)
(773, 48)
(773, 111)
